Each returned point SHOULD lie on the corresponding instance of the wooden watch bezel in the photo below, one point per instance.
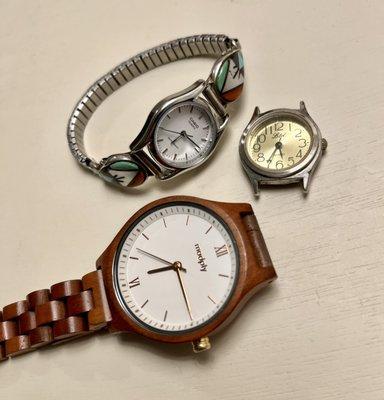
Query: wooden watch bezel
(251, 275)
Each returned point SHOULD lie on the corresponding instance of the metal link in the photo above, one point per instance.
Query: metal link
(192, 46)
(48, 316)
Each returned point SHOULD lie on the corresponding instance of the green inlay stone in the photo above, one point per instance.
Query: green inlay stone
(241, 60)
(124, 166)
(222, 75)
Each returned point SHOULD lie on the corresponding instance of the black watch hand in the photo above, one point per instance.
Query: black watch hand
(169, 268)
(189, 138)
(168, 130)
(272, 155)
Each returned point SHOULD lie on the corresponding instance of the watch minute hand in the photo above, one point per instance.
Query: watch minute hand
(184, 293)
(189, 138)
(272, 155)
(168, 130)
(155, 257)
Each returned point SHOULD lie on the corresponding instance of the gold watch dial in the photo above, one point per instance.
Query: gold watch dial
(279, 144)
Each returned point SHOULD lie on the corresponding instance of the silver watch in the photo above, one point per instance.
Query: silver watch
(280, 147)
(182, 130)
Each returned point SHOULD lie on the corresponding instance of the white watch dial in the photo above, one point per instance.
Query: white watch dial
(185, 135)
(176, 268)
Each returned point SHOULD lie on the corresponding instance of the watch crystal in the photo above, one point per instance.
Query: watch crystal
(176, 267)
(185, 135)
(279, 144)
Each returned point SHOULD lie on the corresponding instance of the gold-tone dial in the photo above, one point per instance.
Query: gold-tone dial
(279, 144)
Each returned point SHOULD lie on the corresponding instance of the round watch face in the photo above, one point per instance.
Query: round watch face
(176, 268)
(279, 143)
(185, 135)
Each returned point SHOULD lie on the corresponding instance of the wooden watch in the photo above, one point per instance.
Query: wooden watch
(177, 272)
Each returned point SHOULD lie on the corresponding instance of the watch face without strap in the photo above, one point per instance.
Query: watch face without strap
(176, 268)
(280, 143)
(185, 135)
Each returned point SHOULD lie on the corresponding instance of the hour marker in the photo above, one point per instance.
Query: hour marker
(133, 258)
(191, 109)
(145, 236)
(165, 315)
(164, 151)
(186, 222)
(204, 139)
(168, 116)
(186, 156)
(221, 250)
(201, 116)
(206, 127)
(160, 140)
(134, 282)
(210, 298)
(208, 229)
(165, 224)
(174, 156)
(224, 276)
(179, 109)
(145, 302)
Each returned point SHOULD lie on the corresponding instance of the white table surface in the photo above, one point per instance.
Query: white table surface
(318, 333)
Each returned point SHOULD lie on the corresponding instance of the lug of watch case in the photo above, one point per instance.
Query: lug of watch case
(255, 272)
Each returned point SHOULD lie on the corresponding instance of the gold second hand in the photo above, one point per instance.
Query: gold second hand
(183, 290)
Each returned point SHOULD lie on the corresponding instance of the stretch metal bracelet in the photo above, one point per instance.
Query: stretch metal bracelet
(193, 46)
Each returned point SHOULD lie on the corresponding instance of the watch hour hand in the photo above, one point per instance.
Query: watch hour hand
(169, 268)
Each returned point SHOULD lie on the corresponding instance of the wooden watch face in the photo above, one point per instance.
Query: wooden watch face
(179, 269)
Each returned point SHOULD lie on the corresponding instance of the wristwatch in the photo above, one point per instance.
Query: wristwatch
(280, 147)
(177, 271)
(182, 130)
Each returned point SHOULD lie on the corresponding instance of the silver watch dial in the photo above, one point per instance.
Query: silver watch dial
(185, 135)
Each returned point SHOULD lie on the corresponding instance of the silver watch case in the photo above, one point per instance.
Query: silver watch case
(299, 173)
(143, 149)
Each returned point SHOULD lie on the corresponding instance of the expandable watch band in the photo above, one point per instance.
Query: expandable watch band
(68, 310)
(193, 46)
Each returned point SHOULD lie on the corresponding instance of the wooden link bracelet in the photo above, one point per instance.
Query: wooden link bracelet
(68, 310)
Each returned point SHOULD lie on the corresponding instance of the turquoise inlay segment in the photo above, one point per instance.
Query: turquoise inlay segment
(241, 60)
(124, 166)
(221, 76)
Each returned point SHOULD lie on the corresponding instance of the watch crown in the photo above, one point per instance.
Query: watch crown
(324, 144)
(201, 344)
